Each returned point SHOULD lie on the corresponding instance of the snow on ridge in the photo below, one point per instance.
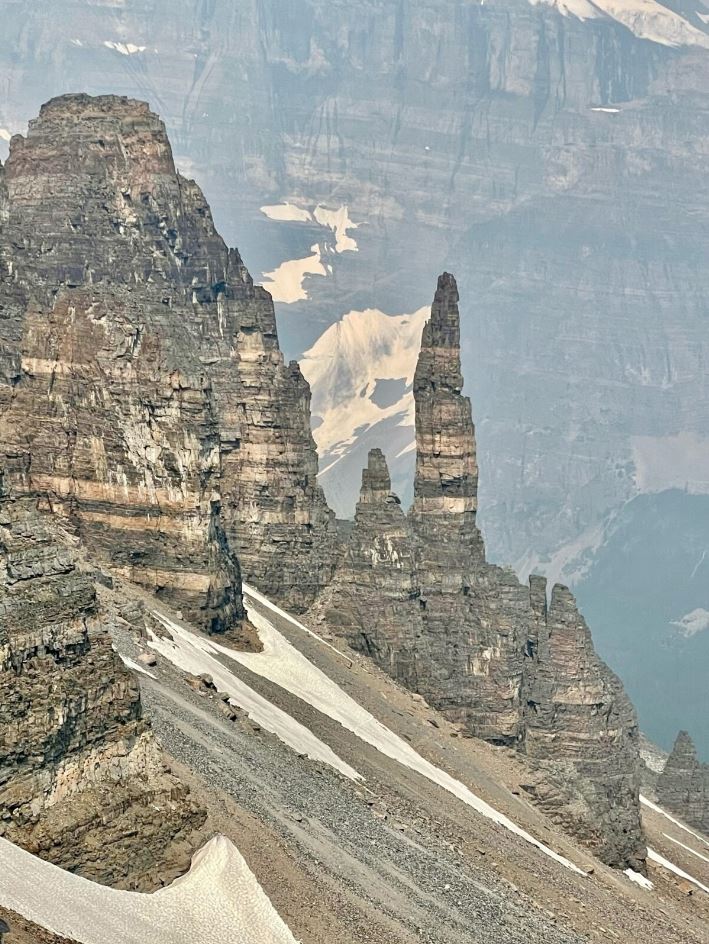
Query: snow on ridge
(285, 283)
(136, 666)
(340, 223)
(284, 665)
(219, 900)
(343, 367)
(647, 19)
(286, 213)
(687, 848)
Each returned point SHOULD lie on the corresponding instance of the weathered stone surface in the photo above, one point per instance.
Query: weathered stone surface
(82, 782)
(416, 593)
(143, 385)
(683, 785)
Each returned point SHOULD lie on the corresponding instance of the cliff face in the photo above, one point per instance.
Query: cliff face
(683, 785)
(417, 594)
(144, 388)
(82, 782)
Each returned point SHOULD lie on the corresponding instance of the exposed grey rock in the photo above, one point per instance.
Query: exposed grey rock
(81, 775)
(683, 785)
(417, 594)
(164, 421)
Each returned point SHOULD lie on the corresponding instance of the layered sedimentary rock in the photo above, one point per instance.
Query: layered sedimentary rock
(417, 594)
(683, 785)
(144, 390)
(82, 781)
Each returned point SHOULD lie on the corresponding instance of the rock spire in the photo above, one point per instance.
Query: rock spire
(683, 785)
(416, 593)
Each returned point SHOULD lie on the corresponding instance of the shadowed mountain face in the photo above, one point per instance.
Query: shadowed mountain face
(557, 164)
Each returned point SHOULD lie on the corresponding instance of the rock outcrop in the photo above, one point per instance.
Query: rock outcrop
(683, 785)
(82, 780)
(416, 593)
(142, 385)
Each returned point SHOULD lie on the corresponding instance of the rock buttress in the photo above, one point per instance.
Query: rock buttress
(82, 781)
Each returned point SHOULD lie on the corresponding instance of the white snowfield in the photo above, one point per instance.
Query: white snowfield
(282, 663)
(639, 879)
(343, 368)
(125, 49)
(286, 282)
(647, 19)
(219, 901)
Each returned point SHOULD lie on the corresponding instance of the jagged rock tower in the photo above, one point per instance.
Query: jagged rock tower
(683, 785)
(416, 593)
(141, 384)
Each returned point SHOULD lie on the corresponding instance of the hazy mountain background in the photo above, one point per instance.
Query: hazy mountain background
(555, 156)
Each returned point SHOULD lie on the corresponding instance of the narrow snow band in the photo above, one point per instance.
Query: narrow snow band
(136, 667)
(671, 867)
(286, 666)
(658, 809)
(219, 900)
(196, 655)
(688, 848)
(639, 879)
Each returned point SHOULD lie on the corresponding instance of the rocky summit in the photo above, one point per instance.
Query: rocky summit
(416, 593)
(142, 387)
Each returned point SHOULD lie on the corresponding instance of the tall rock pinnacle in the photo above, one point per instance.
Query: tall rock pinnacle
(417, 594)
(683, 785)
(446, 479)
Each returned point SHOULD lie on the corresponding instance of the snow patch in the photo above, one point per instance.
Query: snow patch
(219, 900)
(281, 663)
(606, 111)
(197, 655)
(287, 213)
(639, 879)
(125, 49)
(646, 19)
(136, 666)
(286, 282)
(671, 867)
(343, 369)
(340, 223)
(697, 621)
